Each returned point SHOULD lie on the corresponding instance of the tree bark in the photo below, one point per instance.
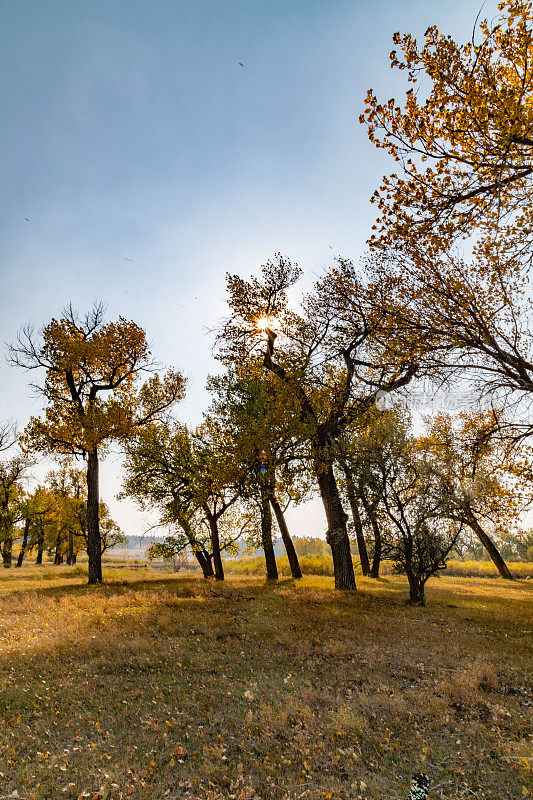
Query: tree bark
(294, 564)
(358, 525)
(204, 559)
(210, 572)
(201, 555)
(7, 551)
(40, 543)
(489, 546)
(370, 510)
(215, 545)
(266, 535)
(93, 522)
(24, 543)
(71, 558)
(416, 589)
(337, 533)
(58, 558)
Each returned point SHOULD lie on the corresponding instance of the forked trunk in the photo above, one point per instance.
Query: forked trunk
(416, 589)
(24, 543)
(358, 525)
(94, 547)
(266, 535)
(210, 572)
(337, 533)
(489, 546)
(204, 559)
(201, 555)
(294, 564)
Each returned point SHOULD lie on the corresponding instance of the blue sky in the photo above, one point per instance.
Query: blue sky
(141, 162)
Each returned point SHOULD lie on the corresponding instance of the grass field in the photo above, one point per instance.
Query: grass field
(323, 565)
(172, 687)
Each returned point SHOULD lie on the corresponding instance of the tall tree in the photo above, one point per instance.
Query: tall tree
(483, 480)
(93, 394)
(327, 356)
(421, 532)
(465, 153)
(188, 477)
(464, 145)
(265, 439)
(12, 508)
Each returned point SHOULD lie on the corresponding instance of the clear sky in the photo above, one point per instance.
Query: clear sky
(140, 162)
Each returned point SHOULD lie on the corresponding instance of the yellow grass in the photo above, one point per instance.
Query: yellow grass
(157, 686)
(323, 565)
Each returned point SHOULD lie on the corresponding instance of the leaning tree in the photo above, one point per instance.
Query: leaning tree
(265, 439)
(329, 357)
(453, 243)
(188, 477)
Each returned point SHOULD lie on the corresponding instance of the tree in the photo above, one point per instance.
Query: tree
(33, 507)
(169, 552)
(329, 359)
(465, 148)
(357, 448)
(264, 438)
(158, 469)
(351, 494)
(188, 478)
(310, 546)
(12, 475)
(93, 394)
(483, 480)
(218, 481)
(465, 153)
(421, 532)
(8, 435)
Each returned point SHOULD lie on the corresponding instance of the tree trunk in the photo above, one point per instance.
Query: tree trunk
(296, 572)
(71, 558)
(215, 545)
(210, 572)
(266, 535)
(204, 559)
(40, 543)
(370, 510)
(24, 543)
(7, 551)
(58, 558)
(489, 546)
(337, 534)
(93, 522)
(201, 555)
(416, 589)
(358, 525)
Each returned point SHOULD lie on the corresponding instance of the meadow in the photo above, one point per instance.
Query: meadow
(167, 686)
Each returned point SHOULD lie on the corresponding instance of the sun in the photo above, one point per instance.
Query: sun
(265, 322)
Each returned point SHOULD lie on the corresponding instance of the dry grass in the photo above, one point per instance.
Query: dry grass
(156, 687)
(323, 565)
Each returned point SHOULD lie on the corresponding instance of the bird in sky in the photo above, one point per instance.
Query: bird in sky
(241, 64)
